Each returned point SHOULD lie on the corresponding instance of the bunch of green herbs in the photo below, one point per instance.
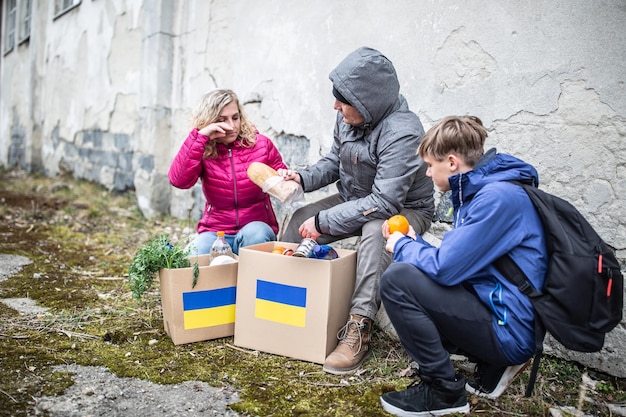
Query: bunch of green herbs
(156, 254)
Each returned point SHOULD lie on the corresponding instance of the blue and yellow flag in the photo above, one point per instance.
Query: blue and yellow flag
(280, 303)
(209, 308)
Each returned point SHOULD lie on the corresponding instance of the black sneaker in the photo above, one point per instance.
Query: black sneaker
(490, 381)
(429, 397)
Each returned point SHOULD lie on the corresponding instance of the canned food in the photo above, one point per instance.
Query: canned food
(324, 252)
(305, 248)
(288, 252)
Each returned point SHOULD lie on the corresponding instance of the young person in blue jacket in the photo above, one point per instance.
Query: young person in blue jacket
(451, 298)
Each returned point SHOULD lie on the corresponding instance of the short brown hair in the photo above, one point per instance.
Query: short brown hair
(461, 135)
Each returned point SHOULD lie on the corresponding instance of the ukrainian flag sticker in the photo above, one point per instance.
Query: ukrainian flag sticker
(209, 308)
(280, 303)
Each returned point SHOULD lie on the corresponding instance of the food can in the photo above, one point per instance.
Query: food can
(324, 252)
(288, 252)
(305, 248)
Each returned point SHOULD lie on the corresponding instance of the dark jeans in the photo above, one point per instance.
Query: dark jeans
(433, 321)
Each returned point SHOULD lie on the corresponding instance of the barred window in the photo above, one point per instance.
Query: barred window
(10, 13)
(25, 20)
(63, 6)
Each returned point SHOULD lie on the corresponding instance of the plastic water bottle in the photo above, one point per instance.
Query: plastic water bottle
(324, 252)
(220, 247)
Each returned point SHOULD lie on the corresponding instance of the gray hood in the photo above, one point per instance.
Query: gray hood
(374, 165)
(368, 80)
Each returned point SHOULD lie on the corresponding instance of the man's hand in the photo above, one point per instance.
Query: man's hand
(289, 174)
(307, 229)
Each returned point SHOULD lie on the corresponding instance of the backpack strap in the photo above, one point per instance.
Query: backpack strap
(514, 274)
(533, 373)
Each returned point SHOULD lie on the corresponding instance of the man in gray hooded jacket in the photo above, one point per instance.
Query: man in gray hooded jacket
(378, 174)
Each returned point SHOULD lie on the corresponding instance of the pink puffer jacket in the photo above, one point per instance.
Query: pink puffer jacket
(232, 199)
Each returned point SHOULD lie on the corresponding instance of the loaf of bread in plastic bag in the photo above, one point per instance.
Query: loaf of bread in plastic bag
(270, 182)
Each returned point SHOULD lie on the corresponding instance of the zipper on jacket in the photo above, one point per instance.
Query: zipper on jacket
(362, 213)
(370, 211)
(458, 221)
(232, 169)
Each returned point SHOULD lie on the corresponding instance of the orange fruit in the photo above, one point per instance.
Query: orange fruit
(278, 249)
(398, 223)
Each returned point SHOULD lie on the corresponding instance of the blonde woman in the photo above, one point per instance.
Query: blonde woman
(218, 151)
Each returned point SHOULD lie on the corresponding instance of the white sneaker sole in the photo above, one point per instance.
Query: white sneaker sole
(507, 377)
(403, 413)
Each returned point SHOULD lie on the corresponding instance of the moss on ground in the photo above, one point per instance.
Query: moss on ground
(82, 239)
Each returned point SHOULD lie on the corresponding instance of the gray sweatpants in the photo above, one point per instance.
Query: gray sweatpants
(372, 258)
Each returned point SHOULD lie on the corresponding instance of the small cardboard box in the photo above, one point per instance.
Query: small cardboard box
(203, 312)
(292, 306)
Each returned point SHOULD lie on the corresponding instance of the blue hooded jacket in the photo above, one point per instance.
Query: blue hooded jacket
(492, 217)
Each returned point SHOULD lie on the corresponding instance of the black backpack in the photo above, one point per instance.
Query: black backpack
(582, 296)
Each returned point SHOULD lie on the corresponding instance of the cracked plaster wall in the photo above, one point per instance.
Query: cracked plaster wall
(72, 89)
(547, 80)
(105, 91)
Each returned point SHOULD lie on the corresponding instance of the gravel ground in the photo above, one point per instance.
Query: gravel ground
(11, 265)
(98, 392)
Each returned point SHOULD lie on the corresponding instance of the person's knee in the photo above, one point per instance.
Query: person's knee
(420, 223)
(372, 229)
(294, 221)
(300, 215)
(400, 278)
(372, 241)
(202, 243)
(257, 232)
(291, 232)
(391, 278)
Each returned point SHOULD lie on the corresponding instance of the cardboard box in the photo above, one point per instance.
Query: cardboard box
(203, 312)
(292, 306)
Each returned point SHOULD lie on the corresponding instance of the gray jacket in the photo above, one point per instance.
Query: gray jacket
(376, 163)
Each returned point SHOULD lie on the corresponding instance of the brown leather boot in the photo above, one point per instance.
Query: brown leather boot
(353, 347)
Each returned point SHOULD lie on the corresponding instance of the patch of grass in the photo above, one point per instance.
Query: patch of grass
(81, 253)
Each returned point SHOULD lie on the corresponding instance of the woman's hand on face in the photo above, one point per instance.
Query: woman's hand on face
(289, 174)
(216, 130)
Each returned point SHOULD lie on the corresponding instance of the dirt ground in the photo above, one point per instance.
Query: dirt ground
(74, 342)
(97, 392)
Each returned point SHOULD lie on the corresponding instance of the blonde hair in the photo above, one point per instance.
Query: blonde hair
(208, 111)
(461, 135)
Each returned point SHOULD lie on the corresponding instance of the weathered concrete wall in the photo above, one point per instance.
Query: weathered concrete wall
(105, 91)
(547, 79)
(70, 94)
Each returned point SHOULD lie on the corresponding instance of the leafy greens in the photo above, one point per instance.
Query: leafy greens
(156, 254)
